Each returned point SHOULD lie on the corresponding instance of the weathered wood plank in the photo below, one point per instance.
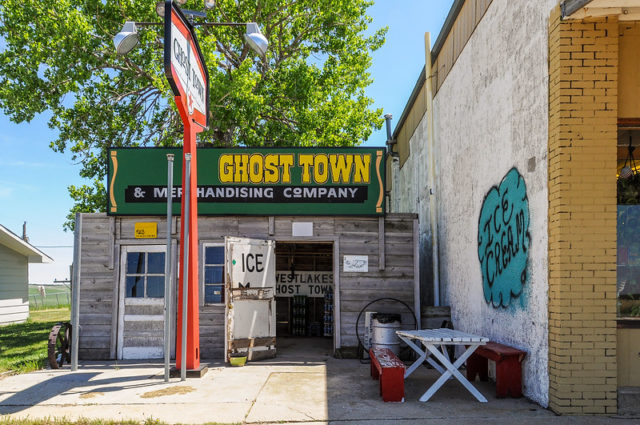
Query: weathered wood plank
(87, 321)
(144, 340)
(351, 226)
(157, 310)
(364, 247)
(253, 227)
(94, 342)
(374, 282)
(93, 354)
(217, 321)
(139, 327)
(217, 227)
(211, 352)
(92, 307)
(102, 331)
(96, 296)
(211, 342)
(352, 299)
(390, 270)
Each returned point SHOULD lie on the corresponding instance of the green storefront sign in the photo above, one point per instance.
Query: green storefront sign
(278, 181)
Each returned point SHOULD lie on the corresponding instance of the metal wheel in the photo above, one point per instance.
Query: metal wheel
(59, 350)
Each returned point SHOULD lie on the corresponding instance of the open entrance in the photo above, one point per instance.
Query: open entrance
(304, 299)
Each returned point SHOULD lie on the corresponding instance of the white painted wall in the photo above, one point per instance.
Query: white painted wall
(410, 194)
(14, 289)
(491, 114)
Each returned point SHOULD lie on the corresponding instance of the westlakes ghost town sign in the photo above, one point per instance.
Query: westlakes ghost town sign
(292, 181)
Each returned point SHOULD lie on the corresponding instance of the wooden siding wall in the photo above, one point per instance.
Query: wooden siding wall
(98, 284)
(355, 235)
(395, 281)
(463, 27)
(14, 289)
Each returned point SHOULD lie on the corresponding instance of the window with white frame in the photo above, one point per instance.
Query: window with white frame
(214, 274)
(144, 274)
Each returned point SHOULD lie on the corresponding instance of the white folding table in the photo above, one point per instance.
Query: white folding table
(435, 343)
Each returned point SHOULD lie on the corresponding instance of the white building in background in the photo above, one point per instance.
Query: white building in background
(15, 257)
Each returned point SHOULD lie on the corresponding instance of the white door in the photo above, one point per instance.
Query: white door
(251, 309)
(141, 317)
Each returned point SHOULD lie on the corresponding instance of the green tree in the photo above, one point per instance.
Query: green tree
(59, 56)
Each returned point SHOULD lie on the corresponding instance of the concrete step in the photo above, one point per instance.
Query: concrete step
(628, 400)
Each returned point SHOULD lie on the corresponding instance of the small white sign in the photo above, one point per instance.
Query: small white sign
(302, 229)
(355, 263)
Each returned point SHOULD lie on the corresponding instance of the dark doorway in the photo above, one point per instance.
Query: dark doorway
(304, 295)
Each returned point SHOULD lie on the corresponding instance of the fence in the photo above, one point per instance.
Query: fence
(37, 302)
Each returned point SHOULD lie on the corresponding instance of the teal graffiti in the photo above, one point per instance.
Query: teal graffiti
(504, 240)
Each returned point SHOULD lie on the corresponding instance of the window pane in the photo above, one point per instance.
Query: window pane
(213, 274)
(214, 255)
(213, 294)
(155, 287)
(135, 287)
(628, 271)
(135, 262)
(156, 263)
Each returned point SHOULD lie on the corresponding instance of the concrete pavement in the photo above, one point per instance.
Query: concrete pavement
(286, 390)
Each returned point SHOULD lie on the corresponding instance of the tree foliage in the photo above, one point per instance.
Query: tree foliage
(59, 56)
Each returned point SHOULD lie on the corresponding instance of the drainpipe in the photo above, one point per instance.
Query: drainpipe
(390, 141)
(433, 205)
(390, 153)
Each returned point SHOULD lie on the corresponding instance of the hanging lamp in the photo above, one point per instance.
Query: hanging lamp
(629, 170)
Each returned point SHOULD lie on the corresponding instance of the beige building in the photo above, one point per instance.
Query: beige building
(526, 115)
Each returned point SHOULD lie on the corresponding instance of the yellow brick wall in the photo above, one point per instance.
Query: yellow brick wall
(583, 84)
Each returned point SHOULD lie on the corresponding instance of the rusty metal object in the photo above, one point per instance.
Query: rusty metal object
(59, 349)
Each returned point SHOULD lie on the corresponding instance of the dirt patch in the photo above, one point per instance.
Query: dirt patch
(168, 391)
(91, 394)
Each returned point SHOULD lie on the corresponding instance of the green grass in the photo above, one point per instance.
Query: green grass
(63, 421)
(56, 296)
(23, 347)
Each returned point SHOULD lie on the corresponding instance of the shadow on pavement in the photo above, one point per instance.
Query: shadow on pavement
(66, 384)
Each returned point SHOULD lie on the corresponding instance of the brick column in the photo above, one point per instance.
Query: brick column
(583, 105)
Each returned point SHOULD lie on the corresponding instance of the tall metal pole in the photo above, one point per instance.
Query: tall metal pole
(186, 192)
(75, 293)
(168, 270)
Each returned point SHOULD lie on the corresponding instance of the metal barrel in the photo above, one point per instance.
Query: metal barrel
(384, 327)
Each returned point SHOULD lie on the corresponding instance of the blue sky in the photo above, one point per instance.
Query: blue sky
(34, 178)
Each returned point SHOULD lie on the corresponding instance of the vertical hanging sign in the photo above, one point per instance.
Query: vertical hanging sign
(184, 65)
(187, 73)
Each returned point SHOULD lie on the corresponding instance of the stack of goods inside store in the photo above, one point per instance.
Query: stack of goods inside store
(328, 314)
(299, 315)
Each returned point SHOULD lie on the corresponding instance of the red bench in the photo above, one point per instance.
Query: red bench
(508, 367)
(390, 370)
